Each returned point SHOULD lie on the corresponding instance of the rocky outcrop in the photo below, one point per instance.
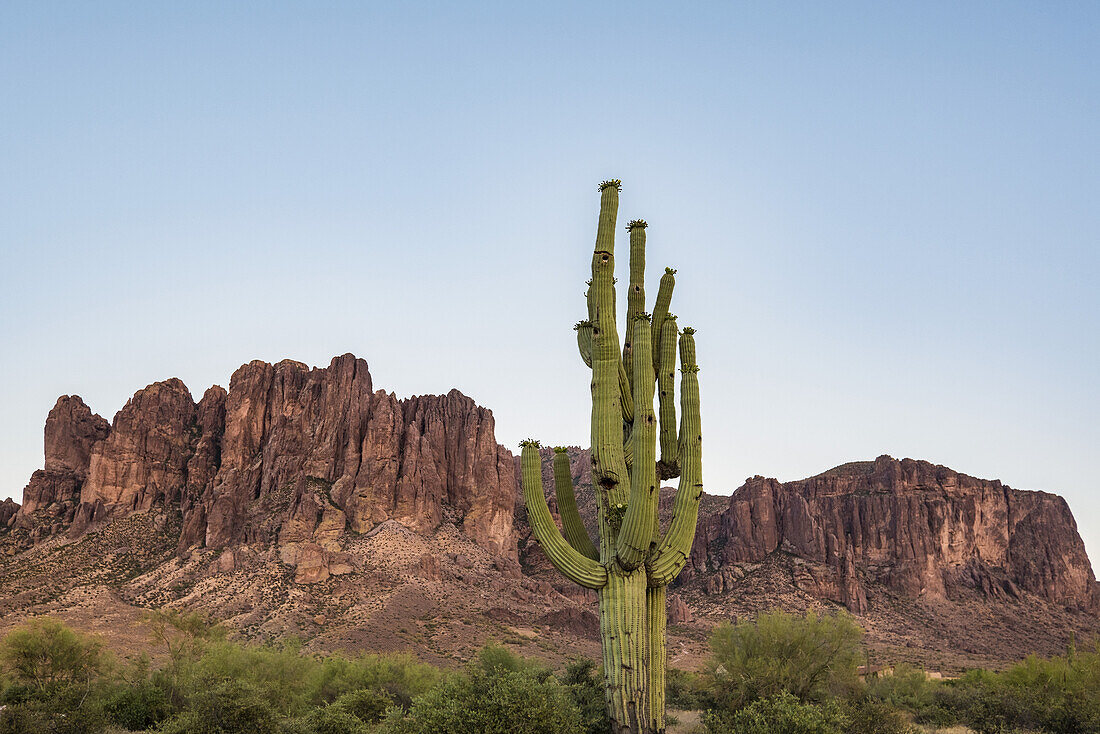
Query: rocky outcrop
(72, 429)
(910, 526)
(52, 497)
(336, 454)
(678, 610)
(289, 455)
(144, 459)
(8, 510)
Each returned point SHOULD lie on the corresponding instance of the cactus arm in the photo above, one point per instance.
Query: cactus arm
(637, 534)
(608, 462)
(584, 340)
(635, 297)
(575, 531)
(669, 465)
(573, 565)
(660, 312)
(672, 552)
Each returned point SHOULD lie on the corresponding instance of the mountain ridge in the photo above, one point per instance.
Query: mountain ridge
(303, 494)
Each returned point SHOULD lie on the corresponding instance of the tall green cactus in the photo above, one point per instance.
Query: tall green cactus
(632, 563)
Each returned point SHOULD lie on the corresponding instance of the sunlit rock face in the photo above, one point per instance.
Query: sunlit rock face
(288, 455)
(52, 497)
(914, 527)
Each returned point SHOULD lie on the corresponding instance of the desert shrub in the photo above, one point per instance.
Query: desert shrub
(63, 709)
(229, 707)
(783, 713)
(184, 638)
(44, 652)
(367, 705)
(907, 688)
(399, 676)
(489, 698)
(1059, 695)
(811, 657)
(585, 683)
(684, 690)
(329, 719)
(280, 673)
(136, 705)
(867, 715)
(494, 658)
(55, 679)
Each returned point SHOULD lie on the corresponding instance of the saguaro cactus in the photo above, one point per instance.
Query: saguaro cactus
(632, 563)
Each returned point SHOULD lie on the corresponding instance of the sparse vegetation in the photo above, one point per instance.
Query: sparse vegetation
(786, 674)
(782, 674)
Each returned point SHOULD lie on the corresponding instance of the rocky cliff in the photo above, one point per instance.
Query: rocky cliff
(908, 527)
(288, 456)
(904, 527)
(304, 501)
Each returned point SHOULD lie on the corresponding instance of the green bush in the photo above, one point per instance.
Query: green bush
(684, 690)
(230, 707)
(43, 652)
(329, 719)
(399, 676)
(136, 705)
(369, 706)
(811, 657)
(278, 674)
(1058, 695)
(55, 676)
(488, 698)
(585, 683)
(780, 714)
(63, 709)
(865, 715)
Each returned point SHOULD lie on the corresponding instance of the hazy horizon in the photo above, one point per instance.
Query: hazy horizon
(883, 217)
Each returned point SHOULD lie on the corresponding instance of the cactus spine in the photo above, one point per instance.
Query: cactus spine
(632, 563)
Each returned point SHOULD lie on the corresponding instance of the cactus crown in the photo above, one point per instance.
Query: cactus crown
(581, 324)
(530, 443)
(690, 368)
(687, 330)
(636, 223)
(611, 182)
(670, 271)
(560, 449)
(643, 316)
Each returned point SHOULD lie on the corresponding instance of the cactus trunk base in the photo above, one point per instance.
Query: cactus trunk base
(626, 637)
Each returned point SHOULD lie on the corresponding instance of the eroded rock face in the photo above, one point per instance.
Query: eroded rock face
(339, 454)
(52, 497)
(678, 611)
(914, 527)
(8, 510)
(289, 456)
(144, 459)
(71, 431)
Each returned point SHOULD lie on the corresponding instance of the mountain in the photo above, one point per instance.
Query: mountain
(302, 501)
(907, 527)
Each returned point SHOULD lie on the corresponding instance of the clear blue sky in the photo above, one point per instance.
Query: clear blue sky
(884, 215)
